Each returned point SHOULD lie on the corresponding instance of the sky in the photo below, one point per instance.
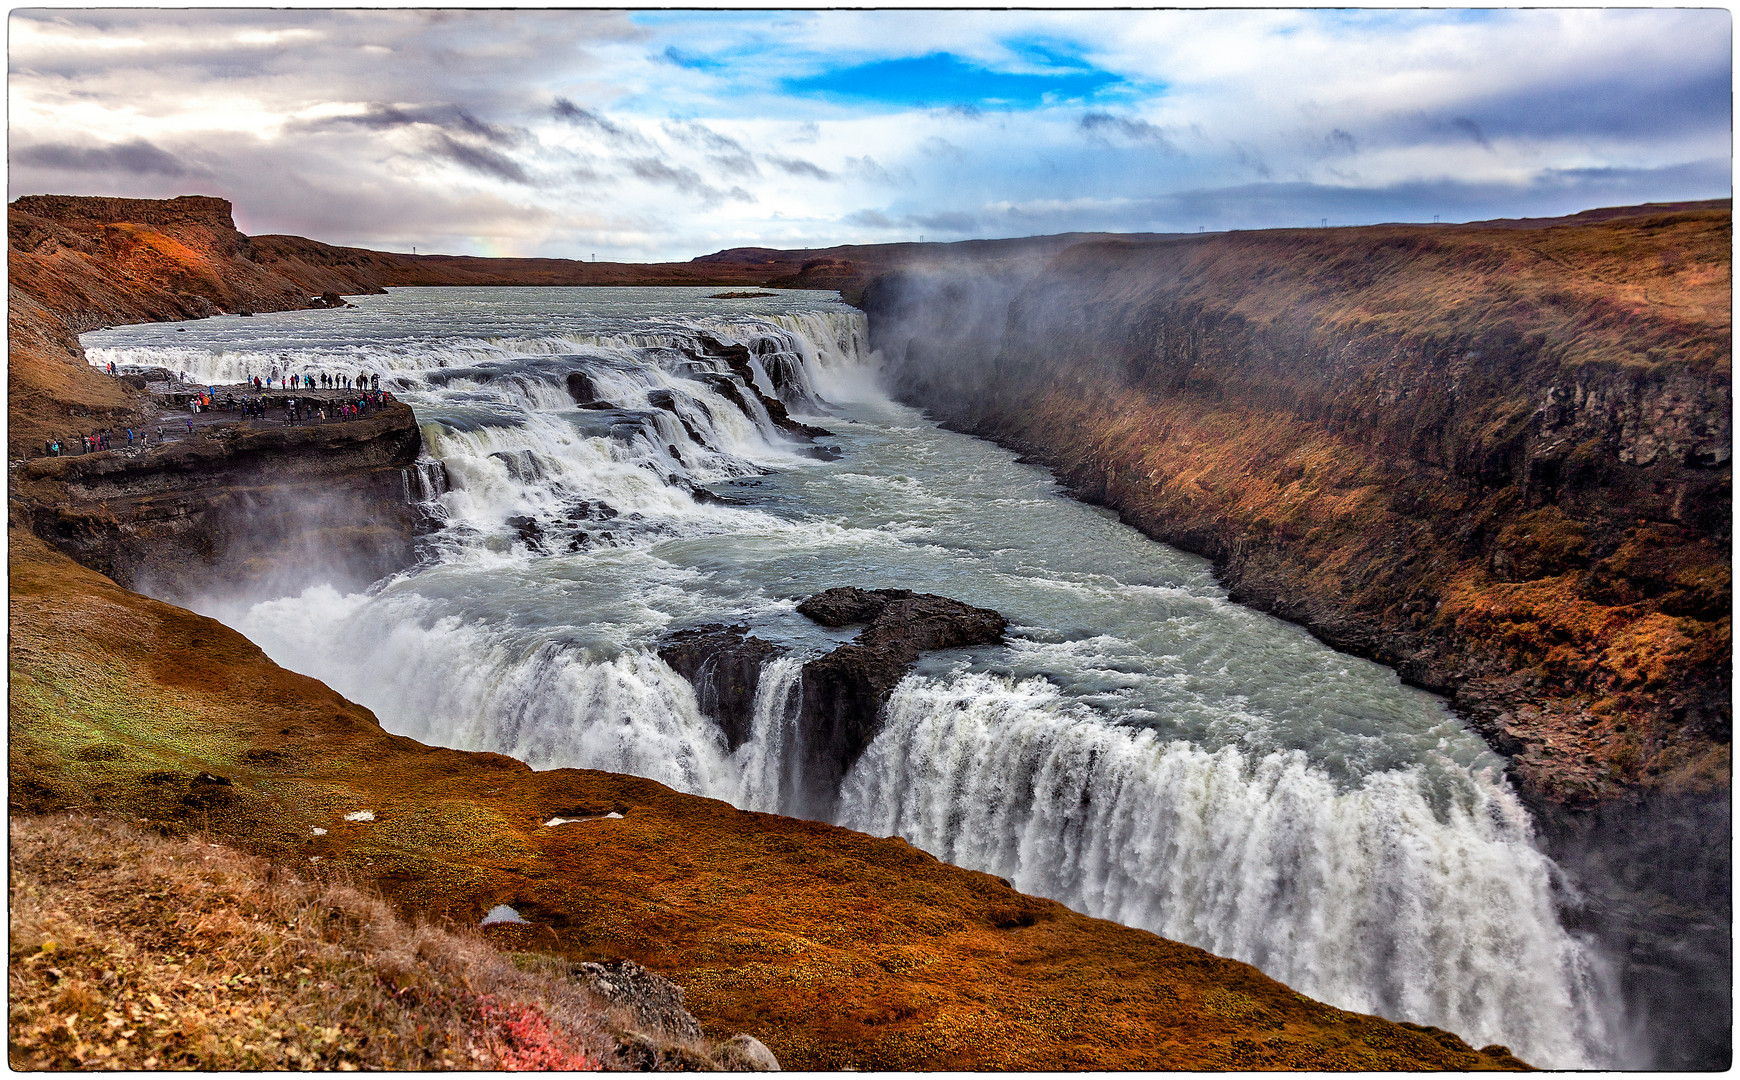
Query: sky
(650, 135)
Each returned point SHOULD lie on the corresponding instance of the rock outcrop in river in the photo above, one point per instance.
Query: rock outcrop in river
(839, 710)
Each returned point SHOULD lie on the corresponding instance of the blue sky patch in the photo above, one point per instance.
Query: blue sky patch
(942, 79)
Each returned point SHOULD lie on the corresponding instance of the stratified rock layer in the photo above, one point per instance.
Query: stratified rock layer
(236, 505)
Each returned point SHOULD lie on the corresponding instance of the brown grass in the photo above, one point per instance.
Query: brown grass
(134, 951)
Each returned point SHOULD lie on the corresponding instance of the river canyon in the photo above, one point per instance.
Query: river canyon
(601, 468)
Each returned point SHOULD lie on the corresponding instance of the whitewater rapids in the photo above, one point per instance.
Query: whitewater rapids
(602, 472)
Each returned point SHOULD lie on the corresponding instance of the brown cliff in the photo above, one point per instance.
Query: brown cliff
(236, 503)
(1497, 459)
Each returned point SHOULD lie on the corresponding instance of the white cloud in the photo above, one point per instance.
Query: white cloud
(392, 127)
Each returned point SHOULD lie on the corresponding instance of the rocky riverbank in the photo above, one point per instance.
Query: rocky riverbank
(236, 502)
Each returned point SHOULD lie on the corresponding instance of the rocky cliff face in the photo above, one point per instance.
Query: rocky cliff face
(236, 505)
(1444, 449)
(1496, 459)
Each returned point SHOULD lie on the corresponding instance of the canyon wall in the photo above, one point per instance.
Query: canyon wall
(1494, 458)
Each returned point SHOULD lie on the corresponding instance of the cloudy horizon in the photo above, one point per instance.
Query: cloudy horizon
(647, 135)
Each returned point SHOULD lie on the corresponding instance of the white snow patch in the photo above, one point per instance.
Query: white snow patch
(318, 831)
(501, 913)
(360, 815)
(596, 817)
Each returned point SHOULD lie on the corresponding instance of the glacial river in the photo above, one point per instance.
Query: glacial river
(1141, 749)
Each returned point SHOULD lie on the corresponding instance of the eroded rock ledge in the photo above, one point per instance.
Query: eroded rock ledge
(840, 709)
(235, 503)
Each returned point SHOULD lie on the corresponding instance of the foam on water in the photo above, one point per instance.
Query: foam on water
(1142, 749)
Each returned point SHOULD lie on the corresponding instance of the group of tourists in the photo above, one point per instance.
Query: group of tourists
(323, 380)
(95, 441)
(366, 398)
(298, 410)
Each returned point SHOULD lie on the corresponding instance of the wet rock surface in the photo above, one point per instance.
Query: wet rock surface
(840, 709)
(724, 665)
(843, 692)
(236, 501)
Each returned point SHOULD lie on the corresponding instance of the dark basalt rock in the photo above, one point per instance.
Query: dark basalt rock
(737, 358)
(528, 530)
(843, 692)
(724, 665)
(584, 392)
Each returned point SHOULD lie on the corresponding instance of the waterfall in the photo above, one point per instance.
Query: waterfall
(1369, 899)
(579, 463)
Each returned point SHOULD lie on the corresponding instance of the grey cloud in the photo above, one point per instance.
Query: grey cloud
(658, 172)
(1470, 129)
(1251, 159)
(1340, 142)
(703, 136)
(874, 219)
(798, 167)
(138, 157)
(735, 164)
(479, 159)
(592, 120)
(727, 154)
(808, 132)
(936, 146)
(948, 221)
(685, 180)
(871, 169)
(381, 117)
(1551, 193)
(425, 52)
(960, 112)
(1101, 125)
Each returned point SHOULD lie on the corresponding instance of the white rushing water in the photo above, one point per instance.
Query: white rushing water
(1141, 748)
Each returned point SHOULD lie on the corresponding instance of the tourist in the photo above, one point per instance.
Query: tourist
(129, 436)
